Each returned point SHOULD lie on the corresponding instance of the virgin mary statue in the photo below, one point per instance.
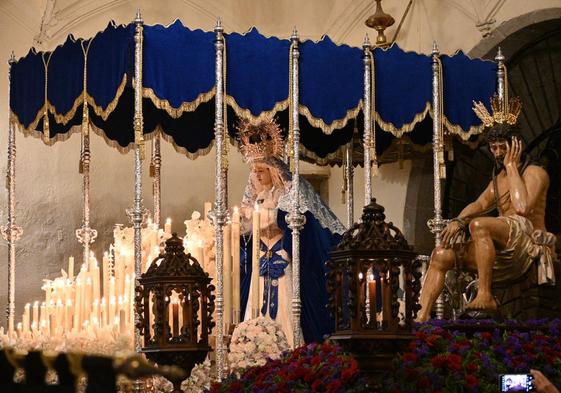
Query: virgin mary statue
(268, 189)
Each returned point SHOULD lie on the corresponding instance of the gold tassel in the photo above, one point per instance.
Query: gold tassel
(46, 129)
(373, 154)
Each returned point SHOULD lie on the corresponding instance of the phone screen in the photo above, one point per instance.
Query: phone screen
(516, 383)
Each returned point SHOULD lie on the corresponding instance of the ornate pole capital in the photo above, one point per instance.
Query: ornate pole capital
(138, 18)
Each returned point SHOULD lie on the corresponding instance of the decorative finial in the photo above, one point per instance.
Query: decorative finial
(218, 24)
(138, 18)
(294, 35)
(366, 42)
(380, 21)
(434, 49)
(12, 58)
(499, 58)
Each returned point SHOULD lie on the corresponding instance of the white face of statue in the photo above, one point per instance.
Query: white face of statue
(263, 175)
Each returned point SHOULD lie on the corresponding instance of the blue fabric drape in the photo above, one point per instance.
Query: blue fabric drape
(178, 69)
(178, 62)
(466, 80)
(331, 79)
(403, 85)
(257, 70)
(66, 75)
(27, 90)
(110, 57)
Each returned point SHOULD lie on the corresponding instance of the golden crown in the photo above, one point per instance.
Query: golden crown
(259, 141)
(501, 113)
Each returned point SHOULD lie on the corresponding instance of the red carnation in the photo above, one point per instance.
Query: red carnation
(317, 386)
(409, 357)
(424, 382)
(432, 339)
(472, 367)
(334, 386)
(471, 381)
(439, 361)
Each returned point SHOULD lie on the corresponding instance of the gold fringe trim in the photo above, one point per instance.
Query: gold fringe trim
(104, 113)
(263, 116)
(184, 107)
(321, 161)
(398, 132)
(337, 124)
(459, 131)
(65, 118)
(39, 135)
(33, 125)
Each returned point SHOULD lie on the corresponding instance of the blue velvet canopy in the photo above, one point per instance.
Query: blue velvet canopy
(48, 88)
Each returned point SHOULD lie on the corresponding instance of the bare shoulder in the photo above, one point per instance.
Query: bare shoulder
(536, 173)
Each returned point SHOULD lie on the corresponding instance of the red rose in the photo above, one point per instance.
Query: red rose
(471, 381)
(347, 374)
(432, 339)
(439, 361)
(409, 357)
(424, 382)
(486, 335)
(472, 367)
(316, 360)
(317, 386)
(335, 386)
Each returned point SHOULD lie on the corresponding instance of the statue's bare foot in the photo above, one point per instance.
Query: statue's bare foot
(482, 302)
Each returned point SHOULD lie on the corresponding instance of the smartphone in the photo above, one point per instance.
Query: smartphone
(516, 383)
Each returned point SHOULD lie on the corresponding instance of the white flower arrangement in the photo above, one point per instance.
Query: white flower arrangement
(198, 382)
(254, 341)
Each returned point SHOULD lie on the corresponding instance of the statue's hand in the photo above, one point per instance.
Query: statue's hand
(513, 153)
(450, 233)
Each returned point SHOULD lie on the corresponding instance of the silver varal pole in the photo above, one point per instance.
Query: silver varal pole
(349, 173)
(11, 232)
(137, 210)
(86, 235)
(436, 223)
(157, 182)
(295, 219)
(220, 205)
(501, 77)
(367, 137)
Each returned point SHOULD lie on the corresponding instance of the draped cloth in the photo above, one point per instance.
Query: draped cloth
(524, 247)
(318, 237)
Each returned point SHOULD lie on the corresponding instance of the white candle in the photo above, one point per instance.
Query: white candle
(167, 226)
(87, 303)
(207, 209)
(25, 319)
(126, 297)
(71, 267)
(236, 266)
(36, 313)
(96, 280)
(43, 316)
(256, 252)
(112, 306)
(227, 276)
(68, 316)
(106, 274)
(103, 311)
(78, 304)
